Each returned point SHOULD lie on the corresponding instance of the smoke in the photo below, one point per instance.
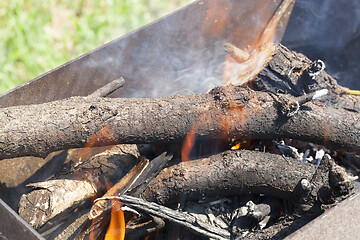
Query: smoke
(328, 30)
(184, 52)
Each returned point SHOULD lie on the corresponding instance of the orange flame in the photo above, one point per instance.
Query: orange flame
(236, 147)
(104, 134)
(188, 144)
(116, 230)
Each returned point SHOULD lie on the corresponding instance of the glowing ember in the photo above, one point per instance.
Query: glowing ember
(116, 230)
(236, 147)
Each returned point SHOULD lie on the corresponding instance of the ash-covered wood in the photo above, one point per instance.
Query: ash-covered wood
(230, 173)
(247, 172)
(193, 180)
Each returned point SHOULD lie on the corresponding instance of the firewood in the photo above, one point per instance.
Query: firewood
(108, 88)
(134, 182)
(224, 113)
(241, 172)
(50, 198)
(227, 113)
(236, 173)
(230, 173)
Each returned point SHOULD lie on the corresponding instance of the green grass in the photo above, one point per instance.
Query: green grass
(38, 35)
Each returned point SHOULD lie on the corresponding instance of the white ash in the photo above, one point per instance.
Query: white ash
(320, 93)
(305, 184)
(319, 156)
(287, 150)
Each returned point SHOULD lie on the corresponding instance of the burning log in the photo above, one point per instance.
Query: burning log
(231, 173)
(226, 112)
(235, 173)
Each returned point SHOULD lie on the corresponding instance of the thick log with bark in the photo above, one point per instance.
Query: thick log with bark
(225, 112)
(230, 173)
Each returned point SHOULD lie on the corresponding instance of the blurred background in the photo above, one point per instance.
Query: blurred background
(37, 36)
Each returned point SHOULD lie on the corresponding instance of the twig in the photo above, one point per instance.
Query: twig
(100, 205)
(155, 166)
(181, 218)
(238, 54)
(134, 182)
(108, 88)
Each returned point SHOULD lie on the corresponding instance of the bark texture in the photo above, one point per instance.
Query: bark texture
(225, 112)
(230, 173)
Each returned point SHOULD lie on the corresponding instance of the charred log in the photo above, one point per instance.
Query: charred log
(225, 112)
(293, 73)
(230, 173)
(240, 172)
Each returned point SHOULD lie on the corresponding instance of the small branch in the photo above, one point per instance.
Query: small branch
(108, 88)
(101, 204)
(236, 53)
(155, 166)
(181, 218)
(135, 181)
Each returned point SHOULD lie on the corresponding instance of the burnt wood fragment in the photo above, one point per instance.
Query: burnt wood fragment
(184, 219)
(293, 73)
(50, 198)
